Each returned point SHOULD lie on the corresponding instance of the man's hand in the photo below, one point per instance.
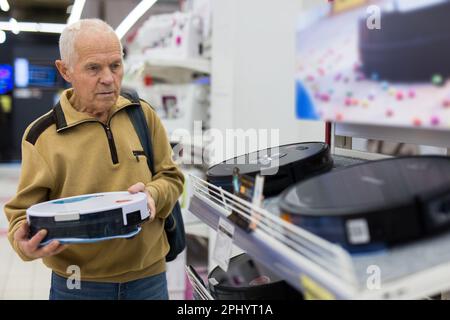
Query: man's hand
(140, 187)
(30, 247)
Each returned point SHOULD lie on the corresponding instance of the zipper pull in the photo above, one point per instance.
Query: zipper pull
(108, 132)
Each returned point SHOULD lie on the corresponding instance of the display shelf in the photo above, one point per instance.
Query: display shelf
(168, 67)
(193, 225)
(194, 64)
(324, 270)
(199, 229)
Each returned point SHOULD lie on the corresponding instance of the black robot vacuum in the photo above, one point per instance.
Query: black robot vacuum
(281, 166)
(410, 46)
(374, 205)
(246, 280)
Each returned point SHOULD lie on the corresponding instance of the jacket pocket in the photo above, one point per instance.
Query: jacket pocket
(139, 153)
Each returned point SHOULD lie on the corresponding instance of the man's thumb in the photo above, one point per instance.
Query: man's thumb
(135, 188)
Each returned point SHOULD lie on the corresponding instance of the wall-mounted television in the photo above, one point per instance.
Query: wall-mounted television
(42, 76)
(383, 63)
(37, 74)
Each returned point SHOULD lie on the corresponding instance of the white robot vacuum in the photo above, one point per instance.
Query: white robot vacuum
(89, 218)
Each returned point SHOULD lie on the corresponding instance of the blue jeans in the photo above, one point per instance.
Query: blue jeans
(150, 288)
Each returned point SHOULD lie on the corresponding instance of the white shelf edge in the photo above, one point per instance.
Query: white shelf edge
(193, 64)
(200, 229)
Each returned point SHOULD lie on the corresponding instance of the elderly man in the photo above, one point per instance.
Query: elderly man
(85, 145)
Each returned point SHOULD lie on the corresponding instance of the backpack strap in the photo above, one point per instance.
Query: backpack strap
(140, 125)
(130, 94)
(173, 225)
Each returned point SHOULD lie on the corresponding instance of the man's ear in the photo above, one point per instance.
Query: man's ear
(63, 70)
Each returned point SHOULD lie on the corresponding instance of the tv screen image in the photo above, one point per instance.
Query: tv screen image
(36, 74)
(42, 76)
(6, 78)
(382, 63)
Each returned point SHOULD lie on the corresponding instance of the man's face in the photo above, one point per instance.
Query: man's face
(97, 71)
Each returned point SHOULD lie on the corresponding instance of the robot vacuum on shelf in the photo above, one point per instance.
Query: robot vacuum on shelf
(412, 45)
(282, 166)
(89, 218)
(246, 280)
(374, 205)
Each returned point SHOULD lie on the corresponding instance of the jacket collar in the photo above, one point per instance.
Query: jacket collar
(67, 116)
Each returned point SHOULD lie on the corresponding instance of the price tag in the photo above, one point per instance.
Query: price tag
(224, 244)
(358, 231)
(314, 291)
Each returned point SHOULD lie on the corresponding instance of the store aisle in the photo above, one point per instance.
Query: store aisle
(18, 280)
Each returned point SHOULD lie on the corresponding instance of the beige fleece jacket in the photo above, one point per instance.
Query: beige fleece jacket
(67, 153)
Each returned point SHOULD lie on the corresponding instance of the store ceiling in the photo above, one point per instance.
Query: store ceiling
(53, 11)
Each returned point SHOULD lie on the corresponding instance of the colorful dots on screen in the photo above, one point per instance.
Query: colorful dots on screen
(417, 122)
(437, 80)
(435, 121)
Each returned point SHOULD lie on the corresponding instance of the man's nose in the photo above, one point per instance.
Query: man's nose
(107, 77)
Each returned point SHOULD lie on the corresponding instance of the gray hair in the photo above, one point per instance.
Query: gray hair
(71, 32)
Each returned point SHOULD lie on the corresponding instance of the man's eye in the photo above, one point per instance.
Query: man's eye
(116, 66)
(92, 68)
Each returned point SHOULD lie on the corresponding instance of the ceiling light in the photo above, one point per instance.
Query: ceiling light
(4, 5)
(134, 16)
(14, 26)
(77, 9)
(32, 27)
